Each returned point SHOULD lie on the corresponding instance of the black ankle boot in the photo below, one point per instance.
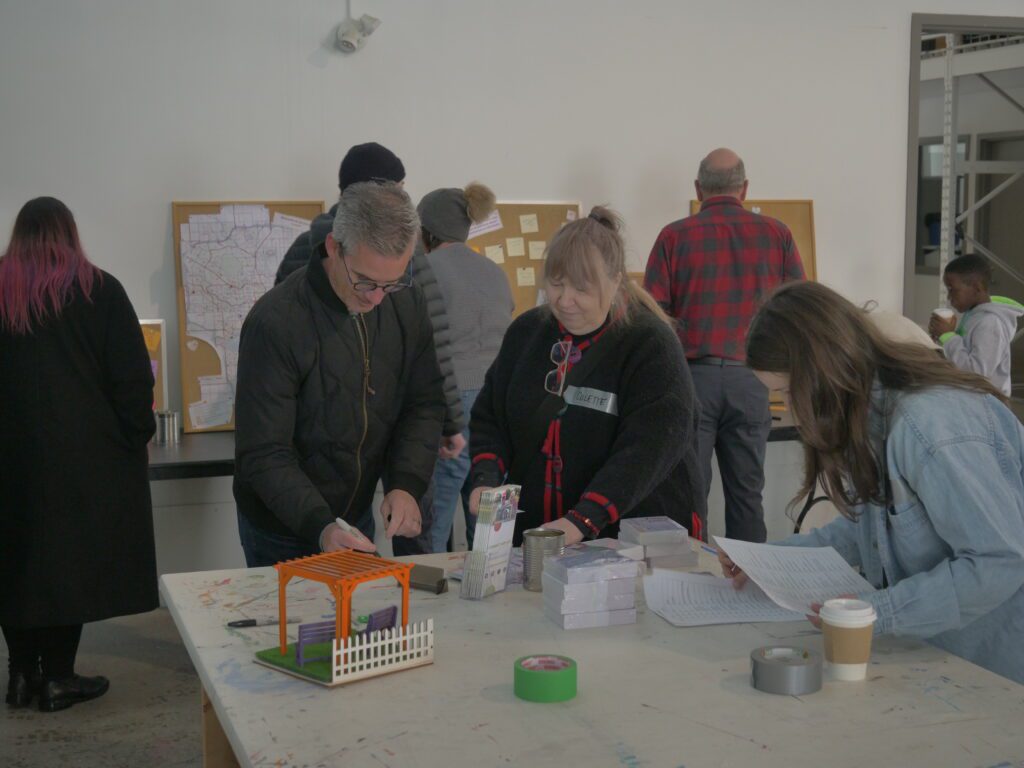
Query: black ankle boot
(61, 694)
(21, 688)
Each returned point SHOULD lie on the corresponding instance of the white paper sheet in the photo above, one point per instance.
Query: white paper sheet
(516, 246)
(528, 223)
(495, 253)
(537, 250)
(695, 600)
(795, 577)
(525, 276)
(491, 224)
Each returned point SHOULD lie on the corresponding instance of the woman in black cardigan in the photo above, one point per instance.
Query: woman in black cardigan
(76, 399)
(623, 443)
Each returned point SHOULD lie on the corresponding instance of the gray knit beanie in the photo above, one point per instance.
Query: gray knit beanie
(447, 213)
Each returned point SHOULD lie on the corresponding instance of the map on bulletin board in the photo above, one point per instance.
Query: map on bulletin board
(515, 238)
(156, 345)
(226, 256)
(798, 215)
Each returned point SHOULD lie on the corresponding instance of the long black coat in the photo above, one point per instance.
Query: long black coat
(76, 523)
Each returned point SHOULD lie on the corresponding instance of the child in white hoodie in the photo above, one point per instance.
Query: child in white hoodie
(980, 342)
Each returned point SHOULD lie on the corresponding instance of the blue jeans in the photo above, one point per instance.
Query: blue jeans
(451, 480)
(264, 548)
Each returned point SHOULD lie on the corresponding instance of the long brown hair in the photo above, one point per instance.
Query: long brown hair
(570, 256)
(42, 266)
(833, 354)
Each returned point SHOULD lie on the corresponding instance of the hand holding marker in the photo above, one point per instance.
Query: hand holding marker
(362, 544)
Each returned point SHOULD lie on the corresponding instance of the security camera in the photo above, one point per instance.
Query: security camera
(350, 39)
(352, 33)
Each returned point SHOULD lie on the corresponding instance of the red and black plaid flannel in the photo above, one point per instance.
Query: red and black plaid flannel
(710, 271)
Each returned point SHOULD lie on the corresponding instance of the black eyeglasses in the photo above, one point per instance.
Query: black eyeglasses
(365, 286)
(554, 382)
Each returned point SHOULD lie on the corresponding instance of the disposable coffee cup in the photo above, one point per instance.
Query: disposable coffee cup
(848, 626)
(944, 312)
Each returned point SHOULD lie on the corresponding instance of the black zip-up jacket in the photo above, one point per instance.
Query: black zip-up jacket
(639, 462)
(328, 401)
(422, 274)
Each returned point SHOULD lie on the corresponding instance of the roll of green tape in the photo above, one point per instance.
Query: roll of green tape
(545, 678)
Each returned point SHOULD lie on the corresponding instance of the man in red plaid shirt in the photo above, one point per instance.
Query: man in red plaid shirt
(710, 271)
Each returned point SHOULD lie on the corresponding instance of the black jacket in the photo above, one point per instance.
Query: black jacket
(419, 269)
(76, 412)
(302, 405)
(640, 462)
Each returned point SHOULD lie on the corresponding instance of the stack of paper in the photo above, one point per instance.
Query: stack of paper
(486, 568)
(666, 543)
(595, 587)
(783, 584)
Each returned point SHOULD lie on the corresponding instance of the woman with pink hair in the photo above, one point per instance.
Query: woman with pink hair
(76, 399)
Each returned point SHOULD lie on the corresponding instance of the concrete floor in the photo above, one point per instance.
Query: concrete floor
(149, 717)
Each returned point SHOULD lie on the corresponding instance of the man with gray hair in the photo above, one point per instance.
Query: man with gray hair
(338, 386)
(710, 271)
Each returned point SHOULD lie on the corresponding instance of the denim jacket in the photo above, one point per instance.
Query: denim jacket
(951, 546)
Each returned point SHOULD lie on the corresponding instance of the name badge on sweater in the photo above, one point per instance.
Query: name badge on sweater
(595, 399)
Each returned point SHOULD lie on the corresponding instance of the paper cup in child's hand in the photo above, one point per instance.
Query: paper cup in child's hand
(847, 626)
(944, 312)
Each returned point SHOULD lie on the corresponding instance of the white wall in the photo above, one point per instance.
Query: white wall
(121, 106)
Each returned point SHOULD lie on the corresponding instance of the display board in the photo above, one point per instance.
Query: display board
(226, 255)
(515, 238)
(798, 215)
(153, 333)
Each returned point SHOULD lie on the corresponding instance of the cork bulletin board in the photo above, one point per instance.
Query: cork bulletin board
(515, 238)
(226, 254)
(798, 215)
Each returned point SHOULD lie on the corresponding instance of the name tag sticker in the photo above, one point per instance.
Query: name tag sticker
(595, 399)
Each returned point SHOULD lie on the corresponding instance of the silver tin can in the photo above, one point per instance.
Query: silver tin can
(166, 428)
(539, 543)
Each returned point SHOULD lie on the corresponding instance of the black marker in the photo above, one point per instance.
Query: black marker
(241, 623)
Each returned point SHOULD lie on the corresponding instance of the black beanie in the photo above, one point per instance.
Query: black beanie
(369, 162)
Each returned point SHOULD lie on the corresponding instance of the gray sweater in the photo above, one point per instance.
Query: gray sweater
(479, 303)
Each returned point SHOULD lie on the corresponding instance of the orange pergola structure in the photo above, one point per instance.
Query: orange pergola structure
(341, 572)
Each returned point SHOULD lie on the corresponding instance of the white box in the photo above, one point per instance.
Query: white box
(592, 590)
(553, 604)
(594, 564)
(595, 619)
(667, 550)
(652, 530)
(681, 560)
(624, 548)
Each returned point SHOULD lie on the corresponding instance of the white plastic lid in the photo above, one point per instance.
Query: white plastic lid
(847, 612)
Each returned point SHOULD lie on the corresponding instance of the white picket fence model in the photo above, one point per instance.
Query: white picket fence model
(384, 651)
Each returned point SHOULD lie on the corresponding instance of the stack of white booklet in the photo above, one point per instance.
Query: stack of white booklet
(486, 568)
(666, 543)
(783, 582)
(592, 587)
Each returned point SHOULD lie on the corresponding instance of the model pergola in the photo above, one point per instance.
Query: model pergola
(341, 572)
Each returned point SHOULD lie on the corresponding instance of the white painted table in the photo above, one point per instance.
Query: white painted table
(649, 694)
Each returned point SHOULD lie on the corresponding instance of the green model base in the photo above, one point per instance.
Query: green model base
(314, 670)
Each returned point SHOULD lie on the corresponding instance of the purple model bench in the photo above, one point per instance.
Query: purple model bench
(323, 632)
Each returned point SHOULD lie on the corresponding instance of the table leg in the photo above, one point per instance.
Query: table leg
(217, 752)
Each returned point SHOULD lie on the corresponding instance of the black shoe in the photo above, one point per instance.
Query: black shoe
(61, 694)
(21, 688)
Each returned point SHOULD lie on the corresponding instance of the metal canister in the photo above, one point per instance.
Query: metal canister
(539, 543)
(166, 428)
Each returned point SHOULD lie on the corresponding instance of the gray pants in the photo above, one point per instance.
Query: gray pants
(734, 423)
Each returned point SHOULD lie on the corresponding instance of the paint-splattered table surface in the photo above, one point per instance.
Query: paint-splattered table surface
(649, 694)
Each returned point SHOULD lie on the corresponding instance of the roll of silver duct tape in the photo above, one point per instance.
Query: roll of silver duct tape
(785, 670)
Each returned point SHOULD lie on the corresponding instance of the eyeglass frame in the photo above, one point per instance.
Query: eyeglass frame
(369, 286)
(561, 367)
